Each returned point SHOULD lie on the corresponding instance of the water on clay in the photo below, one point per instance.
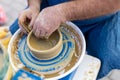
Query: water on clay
(44, 44)
(73, 61)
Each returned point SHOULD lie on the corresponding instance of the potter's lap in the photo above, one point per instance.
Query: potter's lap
(103, 41)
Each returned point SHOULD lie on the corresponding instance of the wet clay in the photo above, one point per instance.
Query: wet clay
(75, 58)
(44, 44)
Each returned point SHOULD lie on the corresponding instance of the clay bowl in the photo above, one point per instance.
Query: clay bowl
(45, 48)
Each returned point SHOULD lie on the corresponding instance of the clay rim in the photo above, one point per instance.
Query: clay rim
(58, 45)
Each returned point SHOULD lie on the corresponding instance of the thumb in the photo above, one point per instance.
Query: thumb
(22, 29)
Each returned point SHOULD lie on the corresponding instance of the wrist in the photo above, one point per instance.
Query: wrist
(66, 11)
(62, 13)
(34, 4)
(69, 10)
(34, 8)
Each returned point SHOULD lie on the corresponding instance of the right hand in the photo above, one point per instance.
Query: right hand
(31, 14)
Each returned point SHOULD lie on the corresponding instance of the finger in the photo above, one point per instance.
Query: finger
(46, 36)
(22, 29)
(29, 16)
(37, 33)
(34, 28)
(36, 25)
(42, 35)
(49, 33)
(22, 18)
(32, 21)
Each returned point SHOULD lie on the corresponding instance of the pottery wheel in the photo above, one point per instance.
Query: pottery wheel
(47, 66)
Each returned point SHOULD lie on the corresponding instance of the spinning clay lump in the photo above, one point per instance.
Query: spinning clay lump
(44, 44)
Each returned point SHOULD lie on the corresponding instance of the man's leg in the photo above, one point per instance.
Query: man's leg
(103, 42)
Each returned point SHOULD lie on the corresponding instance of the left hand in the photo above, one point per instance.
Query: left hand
(31, 14)
(48, 20)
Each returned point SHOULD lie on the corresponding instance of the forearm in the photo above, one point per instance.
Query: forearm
(85, 9)
(34, 4)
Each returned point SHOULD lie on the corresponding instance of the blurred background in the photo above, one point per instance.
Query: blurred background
(9, 10)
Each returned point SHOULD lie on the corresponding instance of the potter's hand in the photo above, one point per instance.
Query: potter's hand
(28, 14)
(48, 21)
